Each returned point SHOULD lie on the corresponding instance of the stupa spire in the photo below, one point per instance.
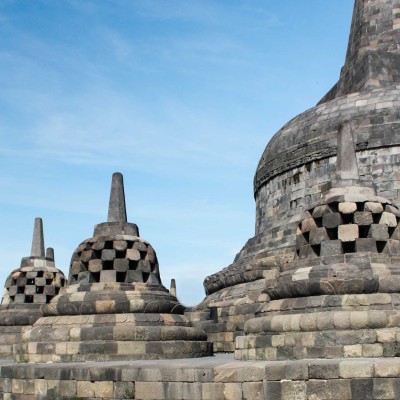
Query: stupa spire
(372, 57)
(38, 239)
(117, 208)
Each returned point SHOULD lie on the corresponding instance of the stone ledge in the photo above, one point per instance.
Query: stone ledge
(219, 377)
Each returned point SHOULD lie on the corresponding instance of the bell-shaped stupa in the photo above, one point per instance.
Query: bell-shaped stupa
(299, 163)
(115, 307)
(340, 296)
(27, 288)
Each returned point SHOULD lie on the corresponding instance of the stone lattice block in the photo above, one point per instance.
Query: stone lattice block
(392, 247)
(347, 207)
(332, 220)
(374, 207)
(348, 233)
(366, 245)
(308, 224)
(318, 235)
(321, 210)
(95, 265)
(388, 219)
(379, 232)
(108, 255)
(300, 241)
(363, 218)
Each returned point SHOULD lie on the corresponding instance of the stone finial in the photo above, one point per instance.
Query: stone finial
(117, 209)
(346, 165)
(117, 220)
(50, 253)
(38, 239)
(172, 289)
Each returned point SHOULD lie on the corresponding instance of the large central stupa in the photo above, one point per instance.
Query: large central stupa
(299, 164)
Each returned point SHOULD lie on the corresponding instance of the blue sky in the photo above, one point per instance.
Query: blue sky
(181, 96)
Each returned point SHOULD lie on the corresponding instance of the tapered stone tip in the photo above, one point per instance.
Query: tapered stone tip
(172, 289)
(50, 253)
(38, 239)
(117, 208)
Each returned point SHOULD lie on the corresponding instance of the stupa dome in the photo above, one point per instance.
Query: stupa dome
(32, 285)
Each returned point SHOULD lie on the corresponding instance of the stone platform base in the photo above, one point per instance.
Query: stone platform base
(111, 337)
(10, 335)
(210, 378)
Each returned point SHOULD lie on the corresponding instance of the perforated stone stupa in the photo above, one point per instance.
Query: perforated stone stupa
(299, 163)
(27, 288)
(340, 297)
(115, 307)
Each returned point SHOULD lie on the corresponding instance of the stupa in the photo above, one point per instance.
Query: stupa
(299, 164)
(27, 288)
(115, 306)
(340, 297)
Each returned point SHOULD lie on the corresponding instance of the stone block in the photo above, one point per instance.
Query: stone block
(95, 265)
(85, 389)
(378, 232)
(49, 290)
(320, 211)
(362, 389)
(324, 371)
(374, 207)
(123, 390)
(392, 247)
(144, 266)
(388, 219)
(103, 389)
(253, 391)
(318, 235)
(233, 391)
(212, 391)
(307, 252)
(133, 254)
(108, 255)
(393, 210)
(386, 388)
(339, 389)
(87, 255)
(356, 369)
(98, 245)
(140, 246)
(366, 245)
(134, 276)
(371, 350)
(347, 207)
(273, 390)
(331, 248)
(294, 390)
(332, 220)
(301, 241)
(348, 233)
(40, 281)
(396, 233)
(121, 264)
(308, 224)
(76, 267)
(108, 276)
(68, 388)
(363, 218)
(120, 245)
